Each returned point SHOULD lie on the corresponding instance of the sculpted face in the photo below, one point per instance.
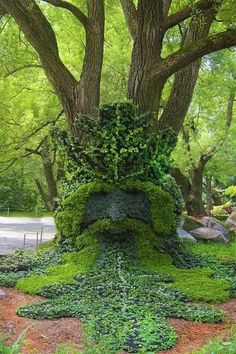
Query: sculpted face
(117, 206)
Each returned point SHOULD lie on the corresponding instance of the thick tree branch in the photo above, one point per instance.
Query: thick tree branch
(9, 73)
(191, 53)
(188, 11)
(186, 78)
(130, 13)
(70, 7)
(38, 31)
(166, 7)
(2, 11)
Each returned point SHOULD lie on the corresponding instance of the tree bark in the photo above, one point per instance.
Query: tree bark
(185, 80)
(87, 92)
(130, 13)
(146, 52)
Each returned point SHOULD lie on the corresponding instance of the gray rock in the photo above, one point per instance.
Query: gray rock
(213, 223)
(231, 226)
(191, 223)
(208, 234)
(2, 293)
(185, 235)
(231, 221)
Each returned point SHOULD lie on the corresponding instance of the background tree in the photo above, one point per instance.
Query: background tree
(149, 24)
(209, 132)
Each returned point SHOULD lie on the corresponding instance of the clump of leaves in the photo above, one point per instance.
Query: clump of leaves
(118, 145)
(24, 263)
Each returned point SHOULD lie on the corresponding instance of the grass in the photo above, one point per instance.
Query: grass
(195, 282)
(226, 252)
(23, 213)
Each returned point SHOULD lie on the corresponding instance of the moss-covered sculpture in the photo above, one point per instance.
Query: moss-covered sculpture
(117, 245)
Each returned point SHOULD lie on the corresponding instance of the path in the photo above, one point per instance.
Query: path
(12, 230)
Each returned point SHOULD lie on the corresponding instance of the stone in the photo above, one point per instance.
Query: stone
(208, 234)
(191, 223)
(231, 226)
(2, 293)
(185, 235)
(213, 223)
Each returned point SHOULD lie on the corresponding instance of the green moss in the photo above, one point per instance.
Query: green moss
(75, 263)
(133, 225)
(191, 223)
(46, 245)
(226, 252)
(195, 283)
(162, 207)
(69, 220)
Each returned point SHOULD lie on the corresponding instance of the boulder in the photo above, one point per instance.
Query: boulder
(231, 225)
(185, 235)
(190, 223)
(208, 234)
(213, 223)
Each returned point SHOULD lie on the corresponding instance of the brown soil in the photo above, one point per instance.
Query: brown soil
(44, 336)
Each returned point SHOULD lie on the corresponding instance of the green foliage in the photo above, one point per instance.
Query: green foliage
(70, 219)
(163, 218)
(89, 347)
(16, 191)
(26, 263)
(118, 146)
(220, 212)
(221, 260)
(231, 191)
(196, 283)
(113, 299)
(16, 347)
(221, 251)
(162, 206)
(72, 264)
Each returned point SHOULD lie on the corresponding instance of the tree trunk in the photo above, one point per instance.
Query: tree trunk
(87, 92)
(142, 90)
(191, 191)
(48, 172)
(209, 199)
(43, 194)
(82, 96)
(194, 204)
(185, 79)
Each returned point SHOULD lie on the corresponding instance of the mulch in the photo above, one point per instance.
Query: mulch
(45, 335)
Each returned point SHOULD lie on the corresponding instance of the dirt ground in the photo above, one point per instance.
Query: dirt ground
(45, 335)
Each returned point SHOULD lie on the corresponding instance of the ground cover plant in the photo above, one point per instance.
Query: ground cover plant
(121, 298)
(115, 265)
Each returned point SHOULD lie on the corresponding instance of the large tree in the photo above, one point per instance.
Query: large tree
(149, 24)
